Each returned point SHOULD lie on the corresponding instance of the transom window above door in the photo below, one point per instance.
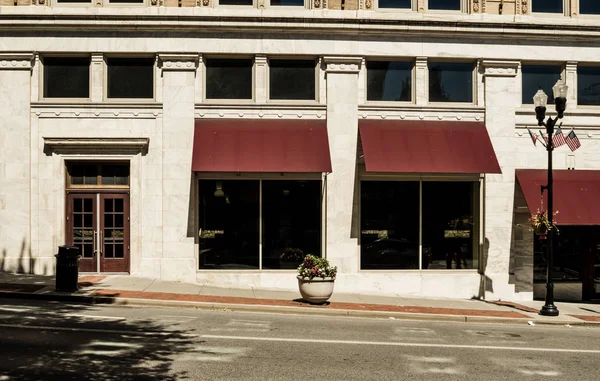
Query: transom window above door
(90, 174)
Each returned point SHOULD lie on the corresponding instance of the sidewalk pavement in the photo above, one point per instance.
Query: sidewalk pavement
(130, 290)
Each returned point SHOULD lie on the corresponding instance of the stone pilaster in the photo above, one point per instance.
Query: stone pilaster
(178, 256)
(570, 78)
(262, 81)
(501, 99)
(342, 127)
(15, 162)
(97, 77)
(421, 81)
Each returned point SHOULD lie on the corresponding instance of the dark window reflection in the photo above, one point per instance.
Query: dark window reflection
(389, 81)
(66, 77)
(453, 5)
(395, 4)
(115, 174)
(448, 225)
(548, 6)
(588, 85)
(235, 2)
(569, 250)
(83, 174)
(292, 79)
(293, 3)
(130, 77)
(590, 7)
(228, 78)
(291, 222)
(450, 82)
(228, 220)
(537, 77)
(389, 223)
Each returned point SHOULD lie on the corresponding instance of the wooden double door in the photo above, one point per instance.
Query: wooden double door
(98, 223)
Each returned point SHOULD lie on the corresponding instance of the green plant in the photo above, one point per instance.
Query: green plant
(540, 221)
(314, 266)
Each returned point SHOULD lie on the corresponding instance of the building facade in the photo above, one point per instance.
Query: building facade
(217, 141)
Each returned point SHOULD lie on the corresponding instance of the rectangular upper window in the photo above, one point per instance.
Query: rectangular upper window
(130, 77)
(66, 77)
(287, 3)
(228, 78)
(389, 81)
(446, 5)
(126, 1)
(236, 2)
(537, 77)
(589, 7)
(547, 6)
(450, 82)
(395, 4)
(292, 79)
(588, 85)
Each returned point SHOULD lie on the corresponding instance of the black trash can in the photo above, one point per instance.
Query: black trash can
(67, 268)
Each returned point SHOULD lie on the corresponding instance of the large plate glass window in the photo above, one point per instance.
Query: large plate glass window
(451, 82)
(537, 77)
(400, 220)
(130, 77)
(395, 4)
(589, 7)
(446, 5)
(448, 222)
(292, 79)
(228, 78)
(66, 77)
(547, 6)
(291, 220)
(588, 85)
(389, 81)
(240, 219)
(389, 224)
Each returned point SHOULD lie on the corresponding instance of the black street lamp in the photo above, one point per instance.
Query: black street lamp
(560, 101)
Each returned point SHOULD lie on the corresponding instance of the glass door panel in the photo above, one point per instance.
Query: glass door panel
(115, 233)
(81, 228)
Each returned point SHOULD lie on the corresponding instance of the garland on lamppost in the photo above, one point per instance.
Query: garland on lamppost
(552, 139)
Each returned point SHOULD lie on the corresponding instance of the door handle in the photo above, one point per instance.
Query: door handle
(100, 243)
(94, 243)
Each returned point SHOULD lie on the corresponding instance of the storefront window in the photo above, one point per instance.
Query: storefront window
(229, 216)
(448, 225)
(291, 222)
(389, 225)
(569, 249)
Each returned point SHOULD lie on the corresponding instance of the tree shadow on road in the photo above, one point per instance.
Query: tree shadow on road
(87, 348)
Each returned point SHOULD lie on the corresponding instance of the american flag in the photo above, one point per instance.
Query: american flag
(573, 141)
(559, 138)
(533, 136)
(544, 138)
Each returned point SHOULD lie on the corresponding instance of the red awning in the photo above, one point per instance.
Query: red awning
(576, 194)
(261, 145)
(427, 147)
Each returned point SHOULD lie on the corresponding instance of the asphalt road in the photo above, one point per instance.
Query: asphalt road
(47, 341)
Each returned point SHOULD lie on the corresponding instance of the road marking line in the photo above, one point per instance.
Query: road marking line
(95, 317)
(384, 343)
(16, 309)
(69, 329)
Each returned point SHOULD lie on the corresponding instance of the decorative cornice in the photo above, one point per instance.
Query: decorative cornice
(96, 145)
(178, 62)
(16, 61)
(499, 68)
(571, 66)
(342, 64)
(421, 62)
(204, 111)
(260, 59)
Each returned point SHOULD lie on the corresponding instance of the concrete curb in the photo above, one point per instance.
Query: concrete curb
(134, 302)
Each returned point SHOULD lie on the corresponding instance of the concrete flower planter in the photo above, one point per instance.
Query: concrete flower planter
(316, 290)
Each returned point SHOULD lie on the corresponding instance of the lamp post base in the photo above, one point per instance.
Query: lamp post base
(549, 310)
